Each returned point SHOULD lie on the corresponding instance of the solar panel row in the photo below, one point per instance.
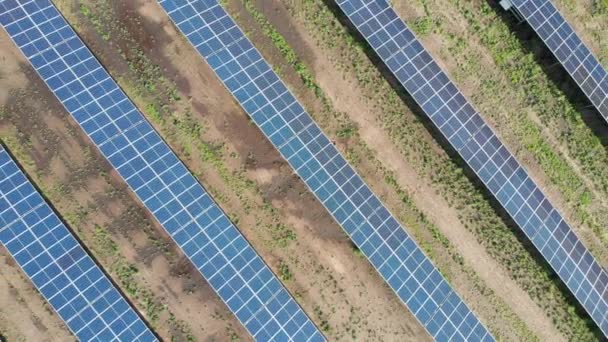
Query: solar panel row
(154, 173)
(282, 119)
(59, 267)
(482, 150)
(568, 48)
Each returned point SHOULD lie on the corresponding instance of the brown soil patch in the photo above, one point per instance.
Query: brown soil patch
(347, 97)
(336, 286)
(470, 84)
(24, 314)
(84, 188)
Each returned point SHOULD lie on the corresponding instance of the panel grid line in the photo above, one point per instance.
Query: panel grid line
(332, 180)
(48, 254)
(487, 156)
(148, 166)
(564, 43)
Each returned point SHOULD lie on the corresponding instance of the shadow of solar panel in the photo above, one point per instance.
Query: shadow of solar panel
(470, 136)
(181, 205)
(315, 159)
(569, 49)
(61, 270)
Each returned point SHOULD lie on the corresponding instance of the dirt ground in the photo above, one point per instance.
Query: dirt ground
(25, 316)
(338, 289)
(349, 98)
(257, 189)
(82, 186)
(472, 87)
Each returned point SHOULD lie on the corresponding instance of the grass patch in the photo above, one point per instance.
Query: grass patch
(337, 124)
(408, 134)
(534, 90)
(285, 272)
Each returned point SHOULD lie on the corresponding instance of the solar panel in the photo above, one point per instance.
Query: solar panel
(179, 203)
(59, 267)
(477, 144)
(569, 50)
(283, 120)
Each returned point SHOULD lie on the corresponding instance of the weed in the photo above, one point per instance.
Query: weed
(447, 177)
(423, 26)
(347, 132)
(285, 272)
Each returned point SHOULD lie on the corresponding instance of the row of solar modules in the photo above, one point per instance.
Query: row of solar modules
(282, 119)
(154, 173)
(482, 150)
(568, 48)
(59, 267)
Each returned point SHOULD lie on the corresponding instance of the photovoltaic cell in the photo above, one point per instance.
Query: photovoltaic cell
(282, 119)
(181, 205)
(485, 154)
(59, 267)
(569, 49)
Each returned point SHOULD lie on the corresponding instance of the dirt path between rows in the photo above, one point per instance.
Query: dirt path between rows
(329, 282)
(438, 210)
(347, 97)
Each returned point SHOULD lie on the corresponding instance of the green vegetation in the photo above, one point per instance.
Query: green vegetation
(533, 89)
(325, 327)
(338, 124)
(600, 7)
(347, 132)
(423, 26)
(97, 22)
(105, 246)
(357, 252)
(409, 135)
(285, 272)
(282, 235)
(19, 145)
(126, 273)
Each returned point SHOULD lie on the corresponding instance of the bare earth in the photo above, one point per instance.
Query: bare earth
(25, 316)
(349, 98)
(338, 289)
(61, 155)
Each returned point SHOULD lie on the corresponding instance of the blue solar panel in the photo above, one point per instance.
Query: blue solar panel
(569, 49)
(483, 151)
(282, 119)
(181, 205)
(59, 267)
